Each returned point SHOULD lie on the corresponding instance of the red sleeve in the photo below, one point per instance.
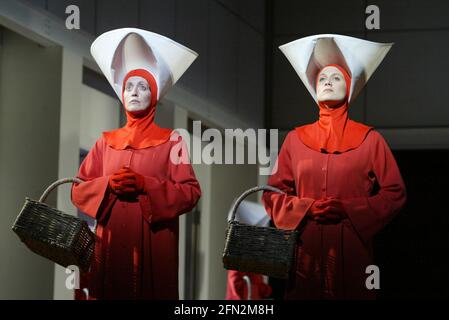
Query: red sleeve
(168, 198)
(260, 288)
(236, 285)
(369, 215)
(93, 195)
(265, 290)
(286, 210)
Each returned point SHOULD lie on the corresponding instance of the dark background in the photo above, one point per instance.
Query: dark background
(413, 249)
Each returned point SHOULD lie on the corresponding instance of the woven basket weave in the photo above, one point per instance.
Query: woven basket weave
(53, 234)
(264, 250)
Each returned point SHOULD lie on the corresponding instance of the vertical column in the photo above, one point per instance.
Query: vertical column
(69, 145)
(29, 151)
(180, 119)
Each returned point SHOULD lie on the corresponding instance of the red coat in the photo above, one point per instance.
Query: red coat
(137, 242)
(237, 288)
(332, 259)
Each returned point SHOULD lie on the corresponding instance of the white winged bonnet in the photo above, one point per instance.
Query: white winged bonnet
(120, 51)
(358, 57)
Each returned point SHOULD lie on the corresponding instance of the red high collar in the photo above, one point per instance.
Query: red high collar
(140, 130)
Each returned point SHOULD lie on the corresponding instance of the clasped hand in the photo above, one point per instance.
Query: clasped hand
(329, 210)
(126, 182)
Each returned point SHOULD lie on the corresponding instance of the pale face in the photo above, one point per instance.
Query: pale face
(137, 94)
(331, 85)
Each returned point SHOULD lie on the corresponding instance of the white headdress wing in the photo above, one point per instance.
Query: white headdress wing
(360, 58)
(120, 51)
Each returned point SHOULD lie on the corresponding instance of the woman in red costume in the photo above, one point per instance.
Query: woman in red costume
(134, 186)
(341, 182)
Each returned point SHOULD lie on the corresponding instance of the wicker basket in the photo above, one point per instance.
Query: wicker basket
(62, 238)
(263, 250)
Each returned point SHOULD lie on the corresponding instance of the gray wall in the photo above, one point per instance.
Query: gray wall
(30, 87)
(228, 35)
(221, 185)
(228, 182)
(403, 93)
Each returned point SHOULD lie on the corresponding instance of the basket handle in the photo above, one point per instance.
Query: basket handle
(248, 284)
(247, 193)
(57, 183)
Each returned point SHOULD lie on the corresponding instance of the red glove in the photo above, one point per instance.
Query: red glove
(316, 212)
(327, 211)
(335, 210)
(121, 182)
(139, 181)
(126, 181)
